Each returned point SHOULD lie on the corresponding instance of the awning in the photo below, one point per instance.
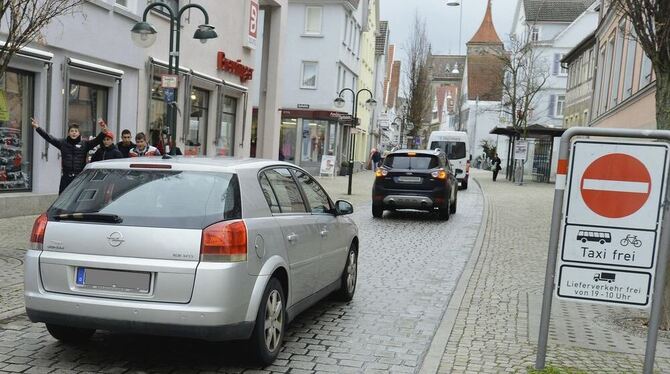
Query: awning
(33, 53)
(95, 68)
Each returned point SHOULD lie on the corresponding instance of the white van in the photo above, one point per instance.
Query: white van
(455, 145)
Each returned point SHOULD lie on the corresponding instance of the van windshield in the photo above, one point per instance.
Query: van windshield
(454, 150)
(152, 198)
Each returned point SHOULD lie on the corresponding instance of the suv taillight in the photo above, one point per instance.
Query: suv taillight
(381, 172)
(439, 174)
(37, 235)
(224, 242)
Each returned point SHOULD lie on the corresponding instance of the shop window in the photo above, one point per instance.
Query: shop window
(313, 140)
(197, 125)
(225, 137)
(287, 139)
(313, 20)
(16, 108)
(86, 104)
(309, 74)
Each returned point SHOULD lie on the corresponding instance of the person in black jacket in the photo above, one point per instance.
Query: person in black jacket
(126, 143)
(107, 150)
(73, 150)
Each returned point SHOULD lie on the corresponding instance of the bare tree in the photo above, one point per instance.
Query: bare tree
(417, 82)
(525, 75)
(23, 20)
(651, 25)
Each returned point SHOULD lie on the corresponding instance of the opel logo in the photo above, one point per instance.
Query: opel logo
(115, 239)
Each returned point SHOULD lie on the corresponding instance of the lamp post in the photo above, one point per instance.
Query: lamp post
(144, 35)
(370, 104)
(460, 20)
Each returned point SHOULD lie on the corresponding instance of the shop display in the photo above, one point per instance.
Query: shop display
(12, 163)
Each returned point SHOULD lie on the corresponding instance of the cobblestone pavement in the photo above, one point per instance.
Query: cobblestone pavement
(496, 326)
(409, 265)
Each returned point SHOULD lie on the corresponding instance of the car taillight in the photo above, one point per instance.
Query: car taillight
(381, 172)
(37, 235)
(224, 242)
(439, 174)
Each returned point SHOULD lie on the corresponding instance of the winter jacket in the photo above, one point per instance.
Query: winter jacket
(125, 149)
(108, 153)
(149, 150)
(73, 151)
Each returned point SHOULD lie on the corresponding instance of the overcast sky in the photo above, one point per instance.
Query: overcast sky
(442, 21)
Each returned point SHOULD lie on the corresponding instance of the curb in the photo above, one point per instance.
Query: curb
(433, 358)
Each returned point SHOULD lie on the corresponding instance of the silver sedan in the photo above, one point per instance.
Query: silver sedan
(216, 249)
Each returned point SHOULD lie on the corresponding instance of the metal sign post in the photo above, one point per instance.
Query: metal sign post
(607, 186)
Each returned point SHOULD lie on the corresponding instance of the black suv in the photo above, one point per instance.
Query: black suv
(415, 179)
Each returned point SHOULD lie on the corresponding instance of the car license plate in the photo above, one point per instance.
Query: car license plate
(113, 280)
(409, 179)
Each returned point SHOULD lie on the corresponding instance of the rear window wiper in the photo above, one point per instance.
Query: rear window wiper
(89, 217)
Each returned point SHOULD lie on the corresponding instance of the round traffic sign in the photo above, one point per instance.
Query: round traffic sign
(615, 185)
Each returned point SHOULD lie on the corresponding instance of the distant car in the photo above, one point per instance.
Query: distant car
(415, 179)
(216, 249)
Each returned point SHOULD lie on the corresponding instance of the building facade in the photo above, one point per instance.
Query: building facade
(446, 79)
(624, 91)
(580, 62)
(553, 31)
(87, 67)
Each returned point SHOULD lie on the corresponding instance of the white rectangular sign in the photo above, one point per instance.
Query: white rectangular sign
(327, 165)
(604, 285)
(612, 221)
(520, 150)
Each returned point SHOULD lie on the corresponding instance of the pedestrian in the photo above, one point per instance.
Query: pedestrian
(126, 143)
(496, 166)
(142, 148)
(73, 150)
(107, 150)
(376, 158)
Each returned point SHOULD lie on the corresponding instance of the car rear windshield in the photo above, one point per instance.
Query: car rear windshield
(153, 198)
(404, 161)
(454, 150)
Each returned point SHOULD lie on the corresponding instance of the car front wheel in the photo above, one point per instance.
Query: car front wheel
(268, 333)
(67, 334)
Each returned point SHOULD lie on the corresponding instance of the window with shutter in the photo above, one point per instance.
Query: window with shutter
(552, 105)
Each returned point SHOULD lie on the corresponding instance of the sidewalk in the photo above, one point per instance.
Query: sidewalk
(361, 187)
(494, 328)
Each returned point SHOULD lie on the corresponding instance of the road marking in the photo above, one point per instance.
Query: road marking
(615, 186)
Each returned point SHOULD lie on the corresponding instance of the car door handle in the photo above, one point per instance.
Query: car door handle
(292, 238)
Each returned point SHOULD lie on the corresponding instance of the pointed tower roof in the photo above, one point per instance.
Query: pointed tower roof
(487, 32)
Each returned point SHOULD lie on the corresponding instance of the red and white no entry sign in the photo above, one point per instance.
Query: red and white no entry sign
(615, 185)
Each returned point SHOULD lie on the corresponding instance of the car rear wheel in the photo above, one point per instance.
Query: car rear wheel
(67, 334)
(377, 210)
(349, 276)
(268, 333)
(452, 208)
(445, 210)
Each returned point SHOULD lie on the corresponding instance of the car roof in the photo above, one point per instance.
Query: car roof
(221, 164)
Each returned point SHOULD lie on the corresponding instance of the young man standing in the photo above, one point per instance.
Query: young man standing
(107, 150)
(73, 150)
(126, 143)
(142, 148)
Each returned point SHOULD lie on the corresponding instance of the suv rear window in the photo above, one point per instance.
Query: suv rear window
(454, 150)
(404, 161)
(153, 198)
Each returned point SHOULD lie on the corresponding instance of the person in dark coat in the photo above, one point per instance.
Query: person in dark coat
(376, 158)
(126, 143)
(73, 150)
(107, 150)
(496, 166)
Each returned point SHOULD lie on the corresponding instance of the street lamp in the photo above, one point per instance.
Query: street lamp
(457, 3)
(370, 104)
(144, 35)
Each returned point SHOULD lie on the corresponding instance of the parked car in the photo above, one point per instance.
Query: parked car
(217, 249)
(415, 179)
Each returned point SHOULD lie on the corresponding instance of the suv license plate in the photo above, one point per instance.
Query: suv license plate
(113, 280)
(409, 179)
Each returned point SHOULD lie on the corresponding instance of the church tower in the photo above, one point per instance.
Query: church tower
(484, 68)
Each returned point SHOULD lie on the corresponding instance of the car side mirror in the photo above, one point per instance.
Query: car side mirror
(344, 207)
